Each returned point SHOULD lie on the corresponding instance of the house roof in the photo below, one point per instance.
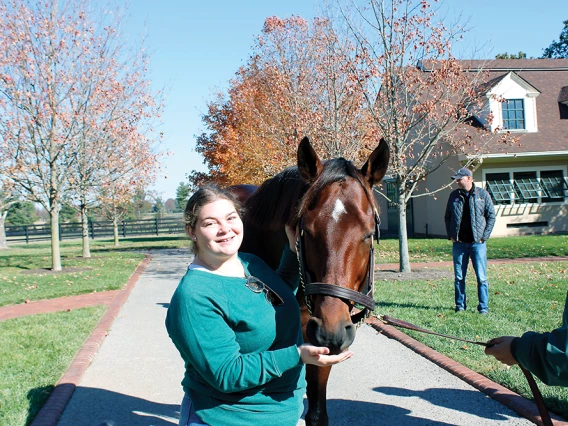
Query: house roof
(550, 76)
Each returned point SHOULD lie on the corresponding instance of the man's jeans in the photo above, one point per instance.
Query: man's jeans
(478, 253)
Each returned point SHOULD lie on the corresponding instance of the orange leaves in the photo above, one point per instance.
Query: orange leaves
(296, 83)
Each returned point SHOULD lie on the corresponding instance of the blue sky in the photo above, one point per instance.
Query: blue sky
(198, 45)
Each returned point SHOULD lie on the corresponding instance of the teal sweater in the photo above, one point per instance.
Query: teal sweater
(242, 365)
(545, 354)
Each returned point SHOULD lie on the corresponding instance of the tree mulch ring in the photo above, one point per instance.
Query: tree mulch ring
(424, 274)
(45, 271)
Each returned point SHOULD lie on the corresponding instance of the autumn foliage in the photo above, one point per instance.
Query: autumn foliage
(294, 84)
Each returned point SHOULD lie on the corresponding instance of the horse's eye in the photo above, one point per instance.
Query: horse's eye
(369, 236)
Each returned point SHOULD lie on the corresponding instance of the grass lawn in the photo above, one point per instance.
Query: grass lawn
(25, 274)
(437, 249)
(522, 297)
(35, 351)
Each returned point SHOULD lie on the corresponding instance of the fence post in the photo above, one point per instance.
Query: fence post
(91, 223)
(123, 229)
(60, 234)
(157, 226)
(27, 234)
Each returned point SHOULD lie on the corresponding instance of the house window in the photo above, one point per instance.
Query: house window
(391, 195)
(526, 187)
(544, 186)
(554, 186)
(499, 187)
(513, 114)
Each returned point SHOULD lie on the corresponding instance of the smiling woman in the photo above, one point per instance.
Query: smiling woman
(216, 229)
(236, 324)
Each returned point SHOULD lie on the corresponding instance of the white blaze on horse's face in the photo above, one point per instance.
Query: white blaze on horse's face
(338, 210)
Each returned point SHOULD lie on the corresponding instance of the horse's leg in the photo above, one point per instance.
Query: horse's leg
(316, 392)
(315, 376)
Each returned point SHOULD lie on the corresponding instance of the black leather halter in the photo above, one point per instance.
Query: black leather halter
(364, 298)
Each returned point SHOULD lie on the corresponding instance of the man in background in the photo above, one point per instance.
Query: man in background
(469, 218)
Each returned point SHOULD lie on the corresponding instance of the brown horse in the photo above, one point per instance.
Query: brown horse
(332, 202)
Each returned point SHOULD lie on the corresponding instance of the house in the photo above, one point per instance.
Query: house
(527, 181)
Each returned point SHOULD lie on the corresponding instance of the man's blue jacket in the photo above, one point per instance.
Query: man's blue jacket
(481, 211)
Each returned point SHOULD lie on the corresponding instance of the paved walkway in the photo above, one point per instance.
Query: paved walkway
(128, 372)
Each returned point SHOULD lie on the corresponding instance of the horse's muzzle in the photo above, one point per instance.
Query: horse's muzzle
(337, 338)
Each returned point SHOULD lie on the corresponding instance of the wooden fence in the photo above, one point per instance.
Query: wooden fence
(100, 229)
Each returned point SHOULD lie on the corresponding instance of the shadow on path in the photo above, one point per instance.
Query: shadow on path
(454, 399)
(361, 413)
(95, 407)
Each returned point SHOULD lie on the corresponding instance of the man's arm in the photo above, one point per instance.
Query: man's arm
(489, 216)
(448, 216)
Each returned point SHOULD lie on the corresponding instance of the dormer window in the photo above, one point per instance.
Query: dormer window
(512, 101)
(513, 114)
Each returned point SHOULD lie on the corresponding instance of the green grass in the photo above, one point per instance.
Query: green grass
(22, 277)
(522, 297)
(25, 275)
(107, 244)
(35, 351)
(437, 249)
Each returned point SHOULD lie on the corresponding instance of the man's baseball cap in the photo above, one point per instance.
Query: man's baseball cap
(463, 172)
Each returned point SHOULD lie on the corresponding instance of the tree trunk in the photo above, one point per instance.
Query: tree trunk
(404, 262)
(85, 231)
(3, 241)
(55, 249)
(115, 231)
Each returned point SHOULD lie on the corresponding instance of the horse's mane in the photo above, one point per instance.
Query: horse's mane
(335, 170)
(273, 204)
(285, 197)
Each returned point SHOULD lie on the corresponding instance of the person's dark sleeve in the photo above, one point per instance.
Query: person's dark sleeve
(545, 354)
(448, 216)
(489, 217)
(289, 269)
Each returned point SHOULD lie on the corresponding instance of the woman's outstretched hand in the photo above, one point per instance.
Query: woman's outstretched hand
(317, 355)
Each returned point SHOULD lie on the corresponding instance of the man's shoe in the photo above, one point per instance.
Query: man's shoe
(483, 312)
(460, 310)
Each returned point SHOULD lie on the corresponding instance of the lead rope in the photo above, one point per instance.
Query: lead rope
(371, 279)
(299, 255)
(543, 411)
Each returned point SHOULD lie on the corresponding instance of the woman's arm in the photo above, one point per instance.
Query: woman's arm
(198, 326)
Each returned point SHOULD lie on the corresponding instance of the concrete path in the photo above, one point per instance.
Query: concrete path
(134, 377)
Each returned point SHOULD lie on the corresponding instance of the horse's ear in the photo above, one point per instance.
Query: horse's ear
(376, 166)
(309, 163)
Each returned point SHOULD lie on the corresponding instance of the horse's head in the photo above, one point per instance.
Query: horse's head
(338, 219)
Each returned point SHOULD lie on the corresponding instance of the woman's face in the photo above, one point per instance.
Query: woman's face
(219, 229)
